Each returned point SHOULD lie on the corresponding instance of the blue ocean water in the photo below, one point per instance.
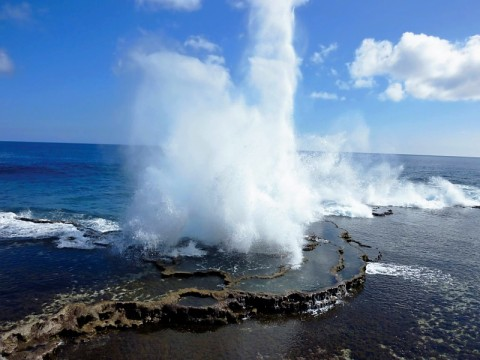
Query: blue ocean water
(79, 178)
(422, 291)
(420, 168)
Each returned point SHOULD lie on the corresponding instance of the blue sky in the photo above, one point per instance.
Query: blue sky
(389, 76)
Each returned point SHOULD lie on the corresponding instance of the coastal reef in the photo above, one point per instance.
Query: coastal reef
(247, 286)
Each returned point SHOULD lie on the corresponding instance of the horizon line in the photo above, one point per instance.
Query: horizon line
(298, 150)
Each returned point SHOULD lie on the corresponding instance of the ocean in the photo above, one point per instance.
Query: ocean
(62, 213)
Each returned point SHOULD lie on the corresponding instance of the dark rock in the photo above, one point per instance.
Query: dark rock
(384, 213)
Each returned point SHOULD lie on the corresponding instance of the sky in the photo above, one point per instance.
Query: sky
(396, 76)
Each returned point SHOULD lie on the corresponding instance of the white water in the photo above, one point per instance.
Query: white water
(350, 189)
(229, 172)
(67, 235)
(421, 274)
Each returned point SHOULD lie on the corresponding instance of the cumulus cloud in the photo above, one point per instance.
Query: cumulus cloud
(200, 43)
(394, 92)
(319, 57)
(421, 66)
(6, 64)
(21, 12)
(184, 5)
(325, 96)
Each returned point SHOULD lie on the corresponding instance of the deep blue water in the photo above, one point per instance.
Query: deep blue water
(419, 168)
(420, 300)
(81, 178)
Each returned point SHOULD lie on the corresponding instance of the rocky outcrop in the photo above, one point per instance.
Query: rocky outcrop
(40, 336)
(377, 212)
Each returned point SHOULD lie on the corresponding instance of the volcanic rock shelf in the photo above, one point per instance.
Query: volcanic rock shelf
(215, 289)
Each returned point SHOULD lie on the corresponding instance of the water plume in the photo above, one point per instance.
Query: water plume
(223, 167)
(229, 171)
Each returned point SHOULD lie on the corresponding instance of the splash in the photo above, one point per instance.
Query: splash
(224, 168)
(348, 186)
(229, 172)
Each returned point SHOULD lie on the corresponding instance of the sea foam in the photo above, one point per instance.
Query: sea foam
(421, 274)
(83, 234)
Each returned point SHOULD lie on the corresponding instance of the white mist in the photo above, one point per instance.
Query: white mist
(229, 172)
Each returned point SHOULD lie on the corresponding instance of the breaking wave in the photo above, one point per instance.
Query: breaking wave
(82, 234)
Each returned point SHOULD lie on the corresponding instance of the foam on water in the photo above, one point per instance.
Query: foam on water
(416, 273)
(11, 227)
(189, 250)
(100, 224)
(66, 235)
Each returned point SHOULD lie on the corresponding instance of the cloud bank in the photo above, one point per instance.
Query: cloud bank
(420, 66)
(184, 5)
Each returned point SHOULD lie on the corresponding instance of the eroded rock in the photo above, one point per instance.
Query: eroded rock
(39, 337)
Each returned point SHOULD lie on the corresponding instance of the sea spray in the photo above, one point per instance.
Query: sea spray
(350, 184)
(228, 172)
(224, 168)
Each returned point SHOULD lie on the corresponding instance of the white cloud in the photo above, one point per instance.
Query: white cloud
(364, 83)
(325, 96)
(200, 43)
(394, 92)
(319, 57)
(19, 13)
(6, 64)
(342, 85)
(237, 4)
(421, 66)
(185, 5)
(215, 59)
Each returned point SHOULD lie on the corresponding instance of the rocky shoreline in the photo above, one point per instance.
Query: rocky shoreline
(39, 338)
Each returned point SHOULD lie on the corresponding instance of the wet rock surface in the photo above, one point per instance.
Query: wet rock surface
(248, 286)
(381, 212)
